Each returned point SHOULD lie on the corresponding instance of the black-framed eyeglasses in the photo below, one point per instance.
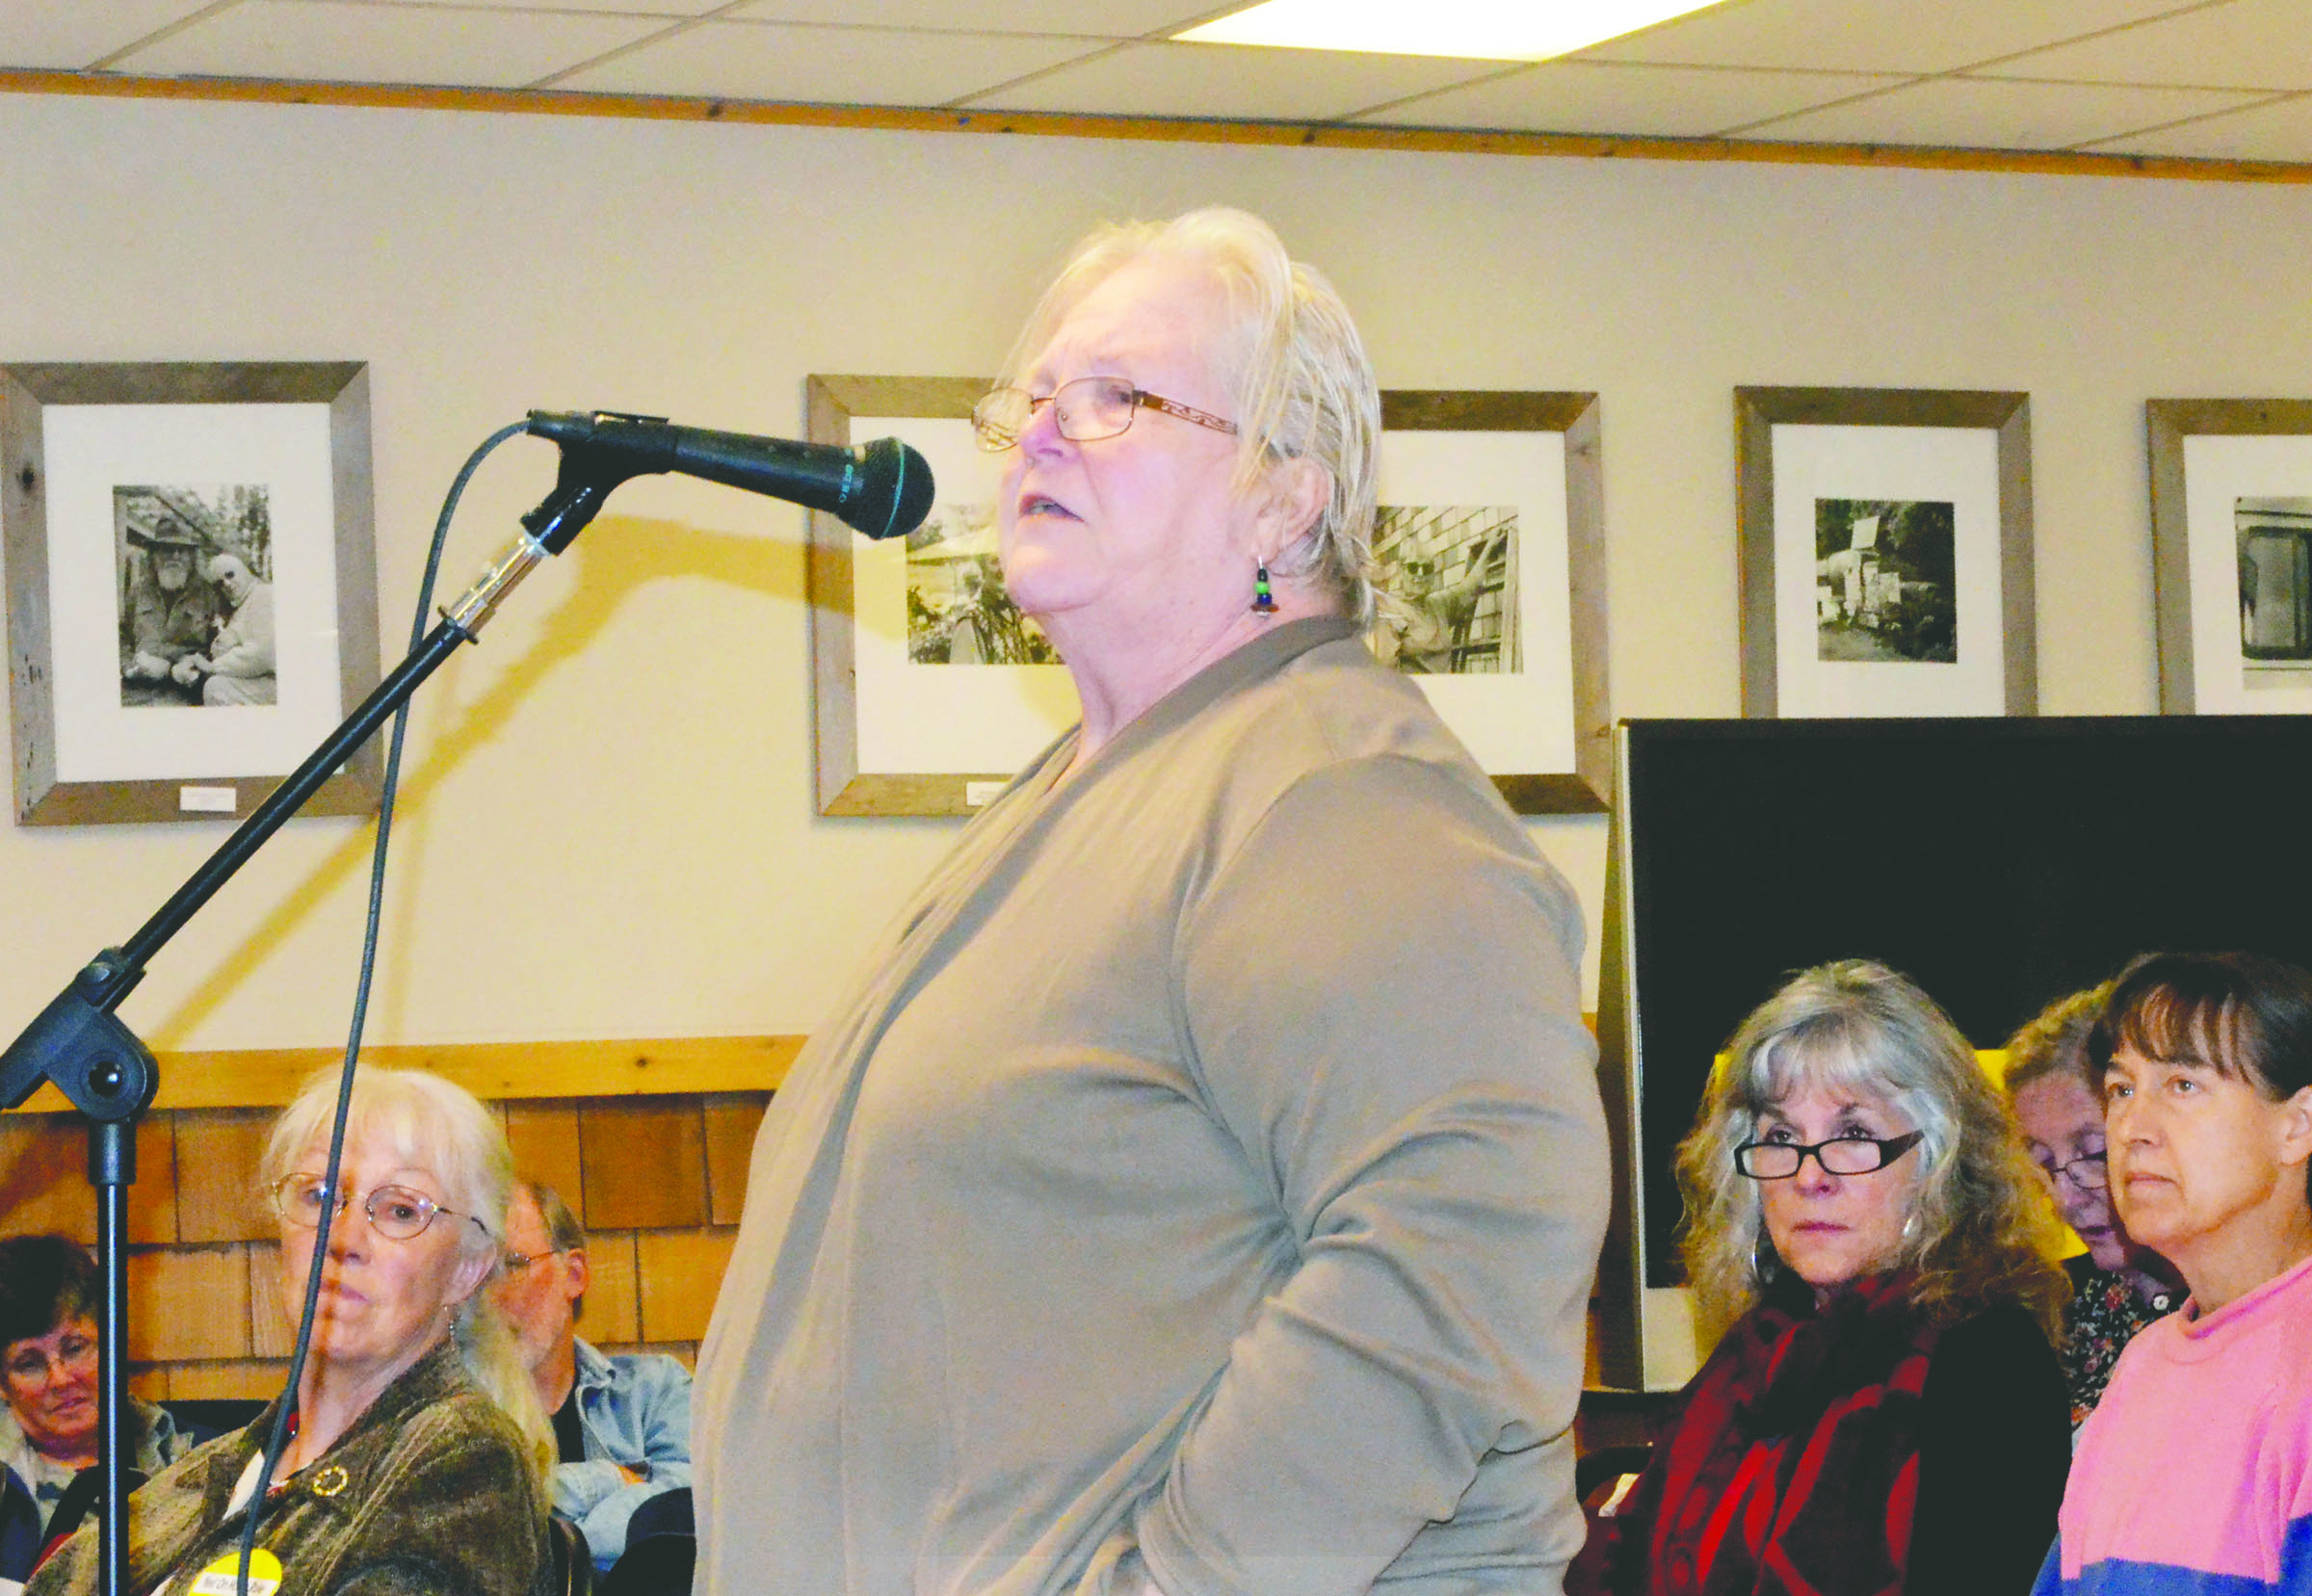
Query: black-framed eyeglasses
(1841, 1155)
(1085, 410)
(2089, 1172)
(395, 1212)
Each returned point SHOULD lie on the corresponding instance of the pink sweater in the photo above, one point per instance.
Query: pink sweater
(2196, 1471)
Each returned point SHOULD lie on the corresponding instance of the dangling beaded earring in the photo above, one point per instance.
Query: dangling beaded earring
(1264, 602)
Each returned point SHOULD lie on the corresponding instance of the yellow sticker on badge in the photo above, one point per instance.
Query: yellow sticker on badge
(222, 1577)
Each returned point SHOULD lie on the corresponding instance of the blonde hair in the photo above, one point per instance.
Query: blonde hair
(1291, 362)
(2055, 1041)
(1979, 1230)
(438, 1126)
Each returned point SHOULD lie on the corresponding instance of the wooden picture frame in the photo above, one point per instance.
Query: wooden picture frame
(1509, 523)
(1944, 475)
(120, 476)
(2231, 489)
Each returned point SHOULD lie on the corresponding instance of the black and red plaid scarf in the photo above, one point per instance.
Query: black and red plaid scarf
(1794, 1464)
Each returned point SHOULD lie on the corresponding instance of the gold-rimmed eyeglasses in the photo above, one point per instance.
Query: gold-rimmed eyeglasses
(395, 1212)
(1085, 410)
(513, 1263)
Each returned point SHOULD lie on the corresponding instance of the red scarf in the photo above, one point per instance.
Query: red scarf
(1794, 1467)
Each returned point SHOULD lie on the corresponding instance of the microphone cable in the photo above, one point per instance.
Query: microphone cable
(278, 1439)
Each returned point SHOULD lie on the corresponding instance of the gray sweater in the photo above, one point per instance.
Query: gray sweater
(1204, 1181)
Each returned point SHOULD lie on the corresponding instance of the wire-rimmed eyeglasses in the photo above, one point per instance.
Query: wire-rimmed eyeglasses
(2089, 1172)
(1841, 1155)
(513, 1263)
(1085, 410)
(395, 1212)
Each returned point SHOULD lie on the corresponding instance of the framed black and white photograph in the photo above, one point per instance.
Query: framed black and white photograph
(2231, 534)
(932, 689)
(1885, 552)
(191, 586)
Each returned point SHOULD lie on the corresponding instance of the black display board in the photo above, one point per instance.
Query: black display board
(2000, 863)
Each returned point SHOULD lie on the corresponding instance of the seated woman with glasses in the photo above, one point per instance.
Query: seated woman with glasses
(1886, 1413)
(2194, 1471)
(2118, 1285)
(50, 1293)
(416, 1453)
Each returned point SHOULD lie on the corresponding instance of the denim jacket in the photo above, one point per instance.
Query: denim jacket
(632, 1410)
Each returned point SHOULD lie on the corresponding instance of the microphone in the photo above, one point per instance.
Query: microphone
(881, 488)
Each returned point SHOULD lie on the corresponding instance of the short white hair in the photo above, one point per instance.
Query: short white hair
(1294, 364)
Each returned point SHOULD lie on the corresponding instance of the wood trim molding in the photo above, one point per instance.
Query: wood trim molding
(263, 1078)
(1161, 129)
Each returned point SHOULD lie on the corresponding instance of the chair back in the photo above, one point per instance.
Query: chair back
(573, 1564)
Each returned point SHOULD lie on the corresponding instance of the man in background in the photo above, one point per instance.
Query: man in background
(622, 1425)
(168, 615)
(239, 666)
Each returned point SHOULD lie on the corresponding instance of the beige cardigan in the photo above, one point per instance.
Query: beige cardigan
(1205, 1177)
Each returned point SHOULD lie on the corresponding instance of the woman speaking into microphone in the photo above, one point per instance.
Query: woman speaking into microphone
(1198, 1191)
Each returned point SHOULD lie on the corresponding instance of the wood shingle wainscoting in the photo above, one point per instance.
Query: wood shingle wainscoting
(647, 1140)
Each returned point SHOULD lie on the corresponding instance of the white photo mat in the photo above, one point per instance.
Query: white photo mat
(1956, 465)
(93, 449)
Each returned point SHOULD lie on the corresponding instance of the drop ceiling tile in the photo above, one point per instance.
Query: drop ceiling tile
(1235, 82)
(1103, 19)
(647, 8)
(1870, 36)
(329, 41)
(770, 61)
(1996, 113)
(49, 35)
(2244, 44)
(2280, 130)
(1581, 96)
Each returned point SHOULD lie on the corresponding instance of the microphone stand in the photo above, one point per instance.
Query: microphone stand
(105, 1069)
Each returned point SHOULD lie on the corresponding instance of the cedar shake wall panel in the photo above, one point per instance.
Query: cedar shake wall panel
(609, 1313)
(544, 1137)
(681, 1271)
(45, 1179)
(644, 1162)
(273, 1333)
(731, 1122)
(240, 1378)
(218, 1151)
(186, 1303)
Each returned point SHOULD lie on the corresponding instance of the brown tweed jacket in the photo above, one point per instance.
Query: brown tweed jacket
(428, 1492)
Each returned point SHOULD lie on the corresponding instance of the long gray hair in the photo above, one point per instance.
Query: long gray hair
(438, 1126)
(1979, 1229)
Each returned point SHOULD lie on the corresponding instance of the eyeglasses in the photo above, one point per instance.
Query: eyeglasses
(395, 1212)
(1841, 1155)
(1085, 410)
(34, 1366)
(513, 1263)
(2089, 1172)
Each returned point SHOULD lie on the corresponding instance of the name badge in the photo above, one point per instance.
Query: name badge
(222, 1577)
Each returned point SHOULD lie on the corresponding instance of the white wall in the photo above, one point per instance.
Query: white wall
(608, 827)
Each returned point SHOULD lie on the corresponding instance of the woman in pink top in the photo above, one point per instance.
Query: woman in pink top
(2196, 1472)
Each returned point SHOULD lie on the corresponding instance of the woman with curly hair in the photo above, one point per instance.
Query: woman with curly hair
(1885, 1412)
(2118, 1285)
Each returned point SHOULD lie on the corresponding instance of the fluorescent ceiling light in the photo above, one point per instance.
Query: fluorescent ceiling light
(1485, 30)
